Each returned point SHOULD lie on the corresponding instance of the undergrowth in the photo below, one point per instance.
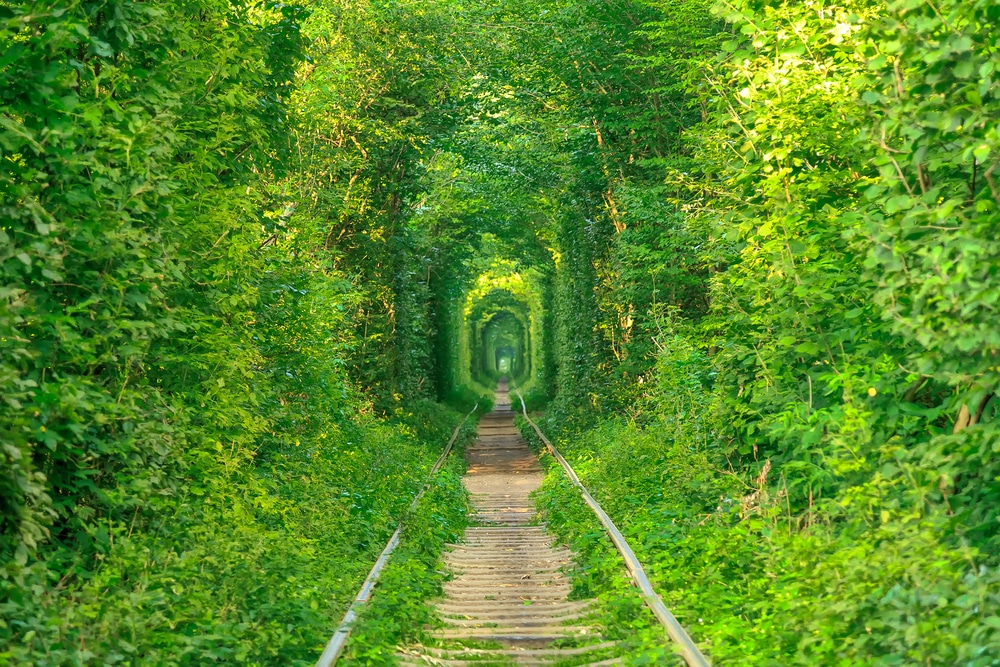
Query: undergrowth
(598, 569)
(398, 613)
(863, 576)
(256, 568)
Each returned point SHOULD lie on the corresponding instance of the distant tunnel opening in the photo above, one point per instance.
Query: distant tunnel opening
(501, 332)
(504, 348)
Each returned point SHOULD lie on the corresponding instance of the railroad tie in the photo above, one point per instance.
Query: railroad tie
(507, 603)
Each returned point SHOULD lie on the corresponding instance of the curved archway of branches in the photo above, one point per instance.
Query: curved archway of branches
(502, 329)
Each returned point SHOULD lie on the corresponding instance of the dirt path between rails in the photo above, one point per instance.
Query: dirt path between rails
(507, 603)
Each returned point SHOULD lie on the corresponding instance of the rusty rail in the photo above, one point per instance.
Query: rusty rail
(339, 639)
(686, 646)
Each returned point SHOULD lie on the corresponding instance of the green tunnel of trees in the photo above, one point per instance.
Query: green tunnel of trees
(257, 259)
(499, 330)
(502, 345)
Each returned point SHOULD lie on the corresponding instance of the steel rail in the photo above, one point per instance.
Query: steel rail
(688, 649)
(339, 639)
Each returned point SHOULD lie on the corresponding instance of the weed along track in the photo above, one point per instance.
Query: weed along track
(508, 602)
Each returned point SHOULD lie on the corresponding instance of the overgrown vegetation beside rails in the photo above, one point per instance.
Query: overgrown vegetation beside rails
(194, 469)
(758, 583)
(399, 614)
(251, 564)
(599, 571)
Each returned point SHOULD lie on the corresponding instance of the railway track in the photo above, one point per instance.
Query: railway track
(507, 603)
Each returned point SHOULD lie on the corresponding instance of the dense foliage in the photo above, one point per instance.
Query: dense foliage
(191, 473)
(813, 453)
(747, 249)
